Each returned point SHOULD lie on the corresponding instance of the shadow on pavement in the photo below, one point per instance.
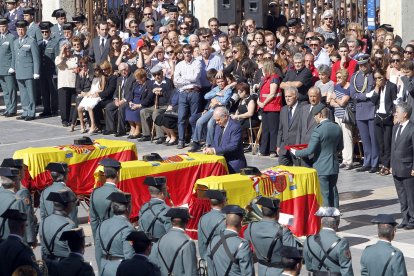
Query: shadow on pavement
(355, 194)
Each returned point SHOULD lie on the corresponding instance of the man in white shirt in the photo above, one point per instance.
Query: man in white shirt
(321, 57)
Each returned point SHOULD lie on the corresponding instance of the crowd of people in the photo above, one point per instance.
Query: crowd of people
(160, 76)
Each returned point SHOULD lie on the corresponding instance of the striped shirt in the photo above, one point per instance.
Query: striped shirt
(340, 92)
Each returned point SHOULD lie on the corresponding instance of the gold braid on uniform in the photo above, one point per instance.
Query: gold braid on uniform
(364, 87)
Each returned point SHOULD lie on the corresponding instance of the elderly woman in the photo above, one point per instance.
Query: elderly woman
(66, 64)
(339, 100)
(270, 102)
(325, 84)
(327, 27)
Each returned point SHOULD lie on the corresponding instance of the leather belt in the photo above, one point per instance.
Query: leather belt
(112, 258)
(325, 273)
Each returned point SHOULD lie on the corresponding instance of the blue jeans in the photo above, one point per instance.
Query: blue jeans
(188, 102)
(205, 119)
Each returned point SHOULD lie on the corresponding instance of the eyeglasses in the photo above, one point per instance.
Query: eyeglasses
(76, 44)
(163, 32)
(231, 29)
(146, 14)
(183, 28)
(393, 52)
(291, 40)
(149, 26)
(259, 54)
(229, 57)
(395, 60)
(408, 52)
(157, 74)
(205, 36)
(169, 52)
(250, 26)
(308, 38)
(45, 32)
(235, 51)
(328, 18)
(313, 45)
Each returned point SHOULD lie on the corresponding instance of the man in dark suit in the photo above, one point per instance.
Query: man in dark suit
(288, 126)
(13, 14)
(307, 123)
(48, 50)
(325, 142)
(13, 252)
(139, 264)
(407, 68)
(115, 110)
(74, 264)
(228, 140)
(402, 163)
(99, 49)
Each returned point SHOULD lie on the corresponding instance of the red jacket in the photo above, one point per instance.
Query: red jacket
(276, 103)
(349, 65)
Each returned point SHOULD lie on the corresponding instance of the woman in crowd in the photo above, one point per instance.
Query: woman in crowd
(168, 121)
(270, 102)
(139, 90)
(325, 83)
(339, 100)
(259, 38)
(384, 117)
(327, 27)
(246, 109)
(394, 73)
(66, 64)
(240, 54)
(252, 48)
(388, 42)
(378, 60)
(355, 30)
(228, 58)
(83, 85)
(91, 99)
(115, 50)
(129, 57)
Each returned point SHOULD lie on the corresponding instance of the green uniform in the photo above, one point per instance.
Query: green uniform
(46, 206)
(8, 200)
(210, 225)
(152, 218)
(326, 140)
(237, 261)
(339, 257)
(112, 244)
(375, 257)
(176, 243)
(266, 234)
(31, 222)
(7, 80)
(51, 229)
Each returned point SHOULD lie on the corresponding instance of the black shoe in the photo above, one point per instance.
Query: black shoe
(107, 132)
(180, 145)
(159, 141)
(144, 139)
(54, 114)
(3, 113)
(8, 115)
(374, 170)
(132, 136)
(342, 166)
(45, 114)
(348, 167)
(409, 227)
(401, 226)
(28, 118)
(119, 134)
(172, 143)
(21, 118)
(196, 147)
(363, 169)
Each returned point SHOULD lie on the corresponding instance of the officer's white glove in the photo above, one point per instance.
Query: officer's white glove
(36, 76)
(370, 94)
(11, 71)
(293, 151)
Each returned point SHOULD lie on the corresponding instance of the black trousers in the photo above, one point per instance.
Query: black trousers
(116, 114)
(98, 112)
(65, 100)
(405, 192)
(383, 133)
(47, 88)
(270, 126)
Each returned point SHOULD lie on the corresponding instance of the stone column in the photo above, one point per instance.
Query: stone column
(399, 14)
(48, 6)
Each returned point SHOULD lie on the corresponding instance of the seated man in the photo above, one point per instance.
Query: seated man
(218, 96)
(228, 140)
(163, 88)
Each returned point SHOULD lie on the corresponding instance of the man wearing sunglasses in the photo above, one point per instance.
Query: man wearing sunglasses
(321, 57)
(48, 50)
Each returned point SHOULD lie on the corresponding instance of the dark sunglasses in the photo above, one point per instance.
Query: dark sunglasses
(170, 52)
(147, 13)
(408, 52)
(149, 26)
(395, 60)
(183, 28)
(45, 32)
(228, 57)
(311, 45)
(291, 40)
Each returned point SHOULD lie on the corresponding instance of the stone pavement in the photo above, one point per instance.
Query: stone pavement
(362, 195)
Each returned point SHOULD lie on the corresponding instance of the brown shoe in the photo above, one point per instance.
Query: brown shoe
(385, 171)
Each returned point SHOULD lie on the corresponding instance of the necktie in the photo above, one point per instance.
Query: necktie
(102, 45)
(123, 88)
(220, 136)
(2, 36)
(310, 116)
(398, 133)
(290, 116)
(21, 41)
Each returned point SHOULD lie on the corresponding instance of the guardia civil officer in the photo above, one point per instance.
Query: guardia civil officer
(13, 251)
(52, 227)
(382, 258)
(212, 223)
(100, 209)
(268, 236)
(74, 264)
(139, 265)
(30, 235)
(26, 65)
(7, 81)
(176, 252)
(57, 29)
(48, 50)
(291, 260)
(112, 233)
(33, 29)
(59, 172)
(325, 251)
(10, 181)
(13, 15)
(228, 254)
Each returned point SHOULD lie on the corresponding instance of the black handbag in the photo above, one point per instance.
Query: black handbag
(349, 115)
